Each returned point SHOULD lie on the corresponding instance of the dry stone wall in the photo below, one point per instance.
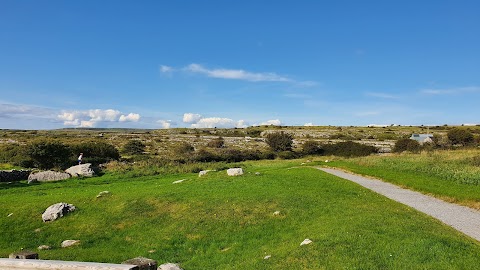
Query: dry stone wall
(14, 175)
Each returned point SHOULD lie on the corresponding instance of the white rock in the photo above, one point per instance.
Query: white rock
(9, 215)
(179, 181)
(306, 242)
(44, 247)
(235, 171)
(257, 173)
(326, 160)
(69, 243)
(169, 266)
(276, 213)
(81, 170)
(57, 210)
(267, 257)
(202, 173)
(103, 193)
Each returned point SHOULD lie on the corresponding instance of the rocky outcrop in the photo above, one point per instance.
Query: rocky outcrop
(47, 176)
(14, 175)
(81, 170)
(235, 171)
(57, 210)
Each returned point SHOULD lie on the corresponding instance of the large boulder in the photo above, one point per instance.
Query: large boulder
(235, 171)
(57, 210)
(81, 170)
(47, 176)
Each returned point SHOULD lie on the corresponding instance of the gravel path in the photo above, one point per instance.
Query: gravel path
(463, 219)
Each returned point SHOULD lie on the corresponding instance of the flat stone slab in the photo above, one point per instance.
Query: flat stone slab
(461, 218)
(22, 264)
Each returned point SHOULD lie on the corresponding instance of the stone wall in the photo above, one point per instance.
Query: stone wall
(14, 175)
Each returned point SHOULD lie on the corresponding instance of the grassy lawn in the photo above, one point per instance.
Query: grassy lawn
(450, 175)
(220, 222)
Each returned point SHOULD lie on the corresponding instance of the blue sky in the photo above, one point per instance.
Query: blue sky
(160, 64)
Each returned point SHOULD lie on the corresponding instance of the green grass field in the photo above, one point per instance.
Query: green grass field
(450, 175)
(221, 222)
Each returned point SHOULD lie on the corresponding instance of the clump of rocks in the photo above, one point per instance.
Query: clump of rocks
(14, 175)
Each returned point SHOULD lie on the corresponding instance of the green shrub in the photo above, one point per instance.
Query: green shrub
(312, 148)
(280, 141)
(15, 154)
(349, 149)
(134, 147)
(49, 154)
(183, 148)
(96, 152)
(407, 145)
(458, 136)
(287, 155)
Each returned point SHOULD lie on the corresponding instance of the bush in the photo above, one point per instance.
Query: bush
(349, 149)
(287, 155)
(184, 148)
(312, 148)
(15, 154)
(216, 143)
(49, 154)
(134, 147)
(407, 145)
(458, 136)
(96, 152)
(280, 141)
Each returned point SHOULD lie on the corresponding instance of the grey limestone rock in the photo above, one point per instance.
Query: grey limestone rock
(235, 171)
(69, 243)
(57, 210)
(81, 170)
(47, 176)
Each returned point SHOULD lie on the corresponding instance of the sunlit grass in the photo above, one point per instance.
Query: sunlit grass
(220, 222)
(451, 175)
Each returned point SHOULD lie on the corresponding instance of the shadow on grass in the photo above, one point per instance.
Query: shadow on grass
(16, 184)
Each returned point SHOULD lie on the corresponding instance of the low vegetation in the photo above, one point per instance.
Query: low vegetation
(220, 222)
(453, 175)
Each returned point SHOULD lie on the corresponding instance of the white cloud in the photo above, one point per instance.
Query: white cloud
(274, 122)
(381, 95)
(131, 117)
(191, 118)
(241, 124)
(94, 117)
(165, 69)
(236, 74)
(308, 124)
(166, 123)
(21, 110)
(451, 91)
(212, 122)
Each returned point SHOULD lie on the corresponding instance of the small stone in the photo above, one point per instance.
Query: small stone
(202, 173)
(179, 181)
(257, 173)
(103, 193)
(24, 254)
(142, 263)
(169, 266)
(326, 161)
(276, 213)
(234, 171)
(9, 215)
(37, 230)
(267, 257)
(69, 243)
(152, 251)
(44, 247)
(303, 163)
(306, 242)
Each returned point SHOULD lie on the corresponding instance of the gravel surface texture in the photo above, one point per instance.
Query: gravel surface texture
(463, 219)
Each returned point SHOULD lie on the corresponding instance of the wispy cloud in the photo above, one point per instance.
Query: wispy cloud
(451, 91)
(381, 95)
(17, 110)
(273, 122)
(236, 74)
